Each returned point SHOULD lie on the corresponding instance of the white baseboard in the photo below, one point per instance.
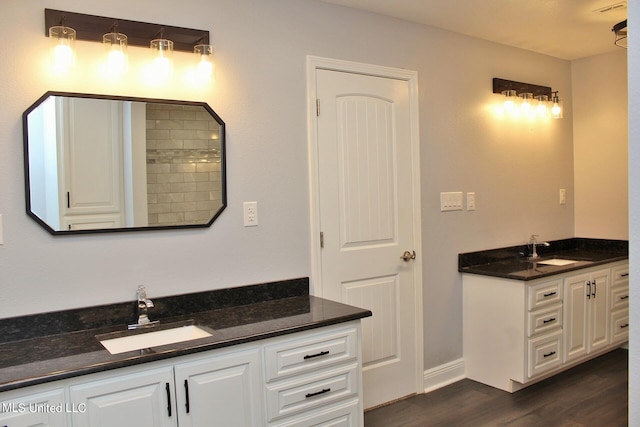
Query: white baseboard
(443, 375)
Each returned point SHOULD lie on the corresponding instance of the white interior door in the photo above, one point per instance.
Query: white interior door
(367, 216)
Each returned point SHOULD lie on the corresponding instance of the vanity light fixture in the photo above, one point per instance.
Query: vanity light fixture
(534, 100)
(63, 53)
(620, 31)
(115, 44)
(162, 39)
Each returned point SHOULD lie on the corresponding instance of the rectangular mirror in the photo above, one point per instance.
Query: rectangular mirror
(106, 163)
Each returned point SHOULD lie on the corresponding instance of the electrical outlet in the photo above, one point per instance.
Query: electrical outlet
(250, 214)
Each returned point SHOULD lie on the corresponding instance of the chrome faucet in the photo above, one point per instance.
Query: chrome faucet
(533, 241)
(143, 306)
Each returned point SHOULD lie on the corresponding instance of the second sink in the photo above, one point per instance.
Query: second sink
(557, 261)
(153, 339)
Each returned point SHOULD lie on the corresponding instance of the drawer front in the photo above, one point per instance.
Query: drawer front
(620, 274)
(544, 320)
(619, 297)
(544, 353)
(620, 326)
(344, 415)
(304, 355)
(291, 397)
(544, 294)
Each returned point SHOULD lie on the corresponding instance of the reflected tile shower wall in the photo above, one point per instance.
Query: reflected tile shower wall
(183, 165)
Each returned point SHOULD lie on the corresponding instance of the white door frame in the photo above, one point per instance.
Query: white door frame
(315, 63)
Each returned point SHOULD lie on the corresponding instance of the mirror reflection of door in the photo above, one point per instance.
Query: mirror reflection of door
(99, 164)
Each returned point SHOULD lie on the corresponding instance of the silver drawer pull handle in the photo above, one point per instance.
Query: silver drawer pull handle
(323, 391)
(311, 356)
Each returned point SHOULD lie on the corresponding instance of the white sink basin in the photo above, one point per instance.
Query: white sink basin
(154, 339)
(557, 261)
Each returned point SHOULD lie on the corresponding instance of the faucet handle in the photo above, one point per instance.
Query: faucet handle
(141, 293)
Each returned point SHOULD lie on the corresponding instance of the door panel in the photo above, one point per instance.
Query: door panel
(366, 198)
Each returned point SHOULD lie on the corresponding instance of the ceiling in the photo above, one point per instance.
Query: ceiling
(566, 29)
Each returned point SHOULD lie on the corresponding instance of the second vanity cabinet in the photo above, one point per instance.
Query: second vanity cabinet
(306, 378)
(516, 333)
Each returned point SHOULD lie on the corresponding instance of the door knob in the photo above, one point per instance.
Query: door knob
(407, 256)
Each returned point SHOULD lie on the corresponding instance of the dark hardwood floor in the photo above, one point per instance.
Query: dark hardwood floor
(592, 394)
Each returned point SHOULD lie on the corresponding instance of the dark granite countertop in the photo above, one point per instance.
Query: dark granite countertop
(52, 346)
(513, 262)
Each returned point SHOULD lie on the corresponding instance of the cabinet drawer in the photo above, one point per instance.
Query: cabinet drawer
(344, 415)
(544, 320)
(620, 274)
(544, 294)
(619, 297)
(620, 326)
(544, 353)
(310, 354)
(291, 397)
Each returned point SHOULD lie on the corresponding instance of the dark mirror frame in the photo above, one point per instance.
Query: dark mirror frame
(204, 105)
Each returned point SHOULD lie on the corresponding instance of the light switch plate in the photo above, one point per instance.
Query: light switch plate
(471, 201)
(451, 201)
(563, 196)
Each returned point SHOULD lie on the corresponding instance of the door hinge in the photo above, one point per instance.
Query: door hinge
(318, 107)
(321, 240)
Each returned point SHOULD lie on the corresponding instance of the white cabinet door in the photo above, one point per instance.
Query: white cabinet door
(599, 314)
(575, 317)
(141, 399)
(35, 410)
(586, 313)
(224, 391)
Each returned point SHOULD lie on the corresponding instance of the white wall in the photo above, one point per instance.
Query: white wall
(600, 145)
(515, 168)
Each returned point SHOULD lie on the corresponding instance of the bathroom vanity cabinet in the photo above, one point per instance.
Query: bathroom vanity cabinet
(305, 378)
(517, 332)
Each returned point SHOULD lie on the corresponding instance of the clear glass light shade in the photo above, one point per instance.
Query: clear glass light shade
(115, 45)
(556, 108)
(63, 50)
(205, 68)
(510, 102)
(542, 106)
(527, 103)
(163, 60)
